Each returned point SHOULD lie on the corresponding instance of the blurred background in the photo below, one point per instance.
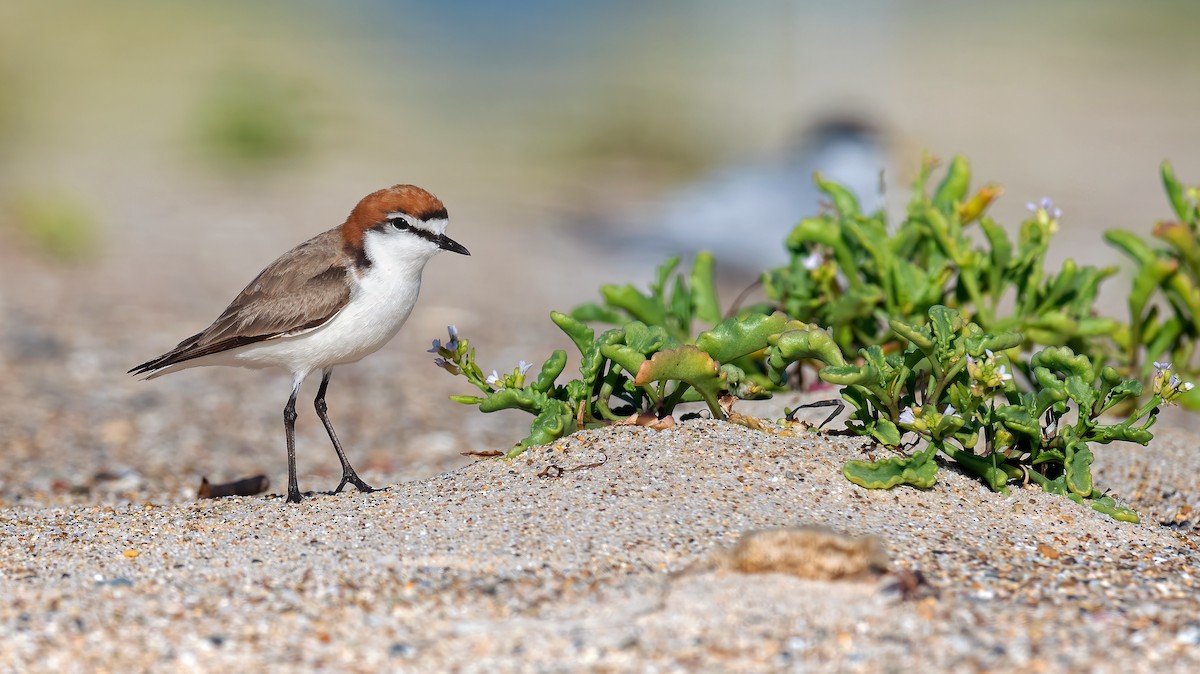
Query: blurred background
(154, 156)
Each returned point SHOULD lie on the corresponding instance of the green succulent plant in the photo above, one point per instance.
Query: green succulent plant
(951, 388)
(964, 343)
(1164, 297)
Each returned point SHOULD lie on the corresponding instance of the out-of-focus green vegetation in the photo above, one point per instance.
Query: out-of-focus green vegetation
(58, 225)
(252, 118)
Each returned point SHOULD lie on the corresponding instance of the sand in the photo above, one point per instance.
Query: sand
(509, 565)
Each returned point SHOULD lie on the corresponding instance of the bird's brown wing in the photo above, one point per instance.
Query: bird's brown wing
(302, 289)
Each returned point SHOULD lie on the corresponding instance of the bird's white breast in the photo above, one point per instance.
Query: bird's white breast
(381, 299)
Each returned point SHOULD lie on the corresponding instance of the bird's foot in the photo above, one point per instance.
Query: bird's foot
(351, 477)
(294, 496)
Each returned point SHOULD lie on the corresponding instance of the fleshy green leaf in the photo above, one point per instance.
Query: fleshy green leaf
(704, 289)
(582, 335)
(993, 476)
(848, 375)
(553, 367)
(733, 338)
(1174, 190)
(642, 307)
(1078, 467)
(594, 313)
(886, 432)
(629, 358)
(953, 188)
(919, 470)
(843, 199)
(643, 338)
(1106, 505)
(813, 343)
(687, 364)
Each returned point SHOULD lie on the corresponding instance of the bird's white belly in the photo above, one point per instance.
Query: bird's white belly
(379, 305)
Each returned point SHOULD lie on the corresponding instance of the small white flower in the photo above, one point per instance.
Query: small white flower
(493, 380)
(906, 416)
(950, 411)
(989, 353)
(1187, 386)
(1005, 375)
(813, 260)
(1159, 366)
(523, 367)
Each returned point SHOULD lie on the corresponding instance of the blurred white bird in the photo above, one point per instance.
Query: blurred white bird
(743, 213)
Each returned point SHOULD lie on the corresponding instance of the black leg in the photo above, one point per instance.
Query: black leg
(348, 474)
(289, 425)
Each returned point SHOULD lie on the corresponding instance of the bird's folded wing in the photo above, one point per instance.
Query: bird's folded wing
(301, 290)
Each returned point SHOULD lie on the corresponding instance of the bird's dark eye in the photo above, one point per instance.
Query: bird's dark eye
(399, 223)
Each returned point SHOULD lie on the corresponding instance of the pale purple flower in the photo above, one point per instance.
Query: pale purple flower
(842, 282)
(451, 345)
(906, 416)
(1168, 384)
(1047, 205)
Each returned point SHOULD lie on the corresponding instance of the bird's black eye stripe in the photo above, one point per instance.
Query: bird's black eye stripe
(403, 225)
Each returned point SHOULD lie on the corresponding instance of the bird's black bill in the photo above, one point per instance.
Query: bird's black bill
(446, 243)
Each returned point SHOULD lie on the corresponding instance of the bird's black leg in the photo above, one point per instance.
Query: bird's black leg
(348, 474)
(289, 425)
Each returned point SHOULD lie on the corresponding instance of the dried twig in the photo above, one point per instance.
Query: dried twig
(791, 415)
(556, 471)
(483, 453)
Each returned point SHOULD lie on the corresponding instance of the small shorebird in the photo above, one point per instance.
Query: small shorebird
(331, 300)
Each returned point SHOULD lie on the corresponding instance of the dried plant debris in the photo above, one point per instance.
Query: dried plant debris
(249, 486)
(483, 453)
(555, 471)
(812, 552)
(911, 585)
(649, 420)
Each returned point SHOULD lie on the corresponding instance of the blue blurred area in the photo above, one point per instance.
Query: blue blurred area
(502, 36)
